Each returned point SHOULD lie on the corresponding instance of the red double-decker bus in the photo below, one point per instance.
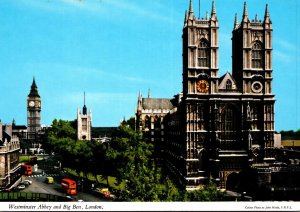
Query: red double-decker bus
(26, 169)
(69, 186)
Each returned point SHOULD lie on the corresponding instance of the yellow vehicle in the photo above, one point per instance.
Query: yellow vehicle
(104, 192)
(49, 180)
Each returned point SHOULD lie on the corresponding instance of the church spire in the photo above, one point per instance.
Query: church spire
(33, 91)
(84, 109)
(236, 22)
(267, 14)
(245, 13)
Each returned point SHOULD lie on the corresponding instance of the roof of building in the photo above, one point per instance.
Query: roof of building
(19, 127)
(157, 103)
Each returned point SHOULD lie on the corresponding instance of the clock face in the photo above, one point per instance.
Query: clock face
(31, 104)
(202, 86)
(256, 87)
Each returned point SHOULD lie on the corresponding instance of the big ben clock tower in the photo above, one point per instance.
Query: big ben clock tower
(34, 105)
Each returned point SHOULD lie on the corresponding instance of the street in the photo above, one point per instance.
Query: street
(39, 185)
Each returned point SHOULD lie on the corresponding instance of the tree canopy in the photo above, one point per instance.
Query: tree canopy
(127, 157)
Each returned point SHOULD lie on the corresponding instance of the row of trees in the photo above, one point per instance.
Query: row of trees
(290, 134)
(126, 157)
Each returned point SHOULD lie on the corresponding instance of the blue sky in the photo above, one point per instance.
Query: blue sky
(112, 49)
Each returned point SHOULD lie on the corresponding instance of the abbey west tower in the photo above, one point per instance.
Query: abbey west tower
(221, 125)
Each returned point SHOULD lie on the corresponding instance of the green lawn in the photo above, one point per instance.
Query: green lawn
(111, 180)
(24, 158)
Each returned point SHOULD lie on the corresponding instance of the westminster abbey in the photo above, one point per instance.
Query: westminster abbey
(216, 126)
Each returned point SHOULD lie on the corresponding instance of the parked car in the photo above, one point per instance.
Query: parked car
(49, 180)
(104, 192)
(21, 187)
(24, 183)
(27, 181)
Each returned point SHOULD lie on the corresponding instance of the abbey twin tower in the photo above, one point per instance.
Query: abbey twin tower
(216, 126)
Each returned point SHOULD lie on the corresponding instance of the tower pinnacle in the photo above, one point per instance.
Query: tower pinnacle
(236, 22)
(267, 14)
(256, 18)
(245, 13)
(191, 11)
(185, 17)
(191, 7)
(213, 11)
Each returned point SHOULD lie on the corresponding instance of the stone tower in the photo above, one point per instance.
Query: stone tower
(84, 123)
(221, 125)
(200, 53)
(200, 81)
(34, 106)
(252, 70)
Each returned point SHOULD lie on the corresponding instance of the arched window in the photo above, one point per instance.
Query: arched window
(203, 54)
(147, 123)
(228, 84)
(257, 56)
(157, 123)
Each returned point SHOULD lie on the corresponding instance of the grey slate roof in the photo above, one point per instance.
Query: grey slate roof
(156, 103)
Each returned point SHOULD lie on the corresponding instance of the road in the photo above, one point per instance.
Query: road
(39, 185)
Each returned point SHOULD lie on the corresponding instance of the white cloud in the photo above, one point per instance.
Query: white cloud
(283, 57)
(103, 8)
(138, 10)
(59, 70)
(282, 43)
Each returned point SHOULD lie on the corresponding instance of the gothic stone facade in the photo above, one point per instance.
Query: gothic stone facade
(9, 157)
(150, 115)
(220, 125)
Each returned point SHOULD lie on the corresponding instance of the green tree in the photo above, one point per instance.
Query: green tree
(130, 122)
(207, 193)
(134, 166)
